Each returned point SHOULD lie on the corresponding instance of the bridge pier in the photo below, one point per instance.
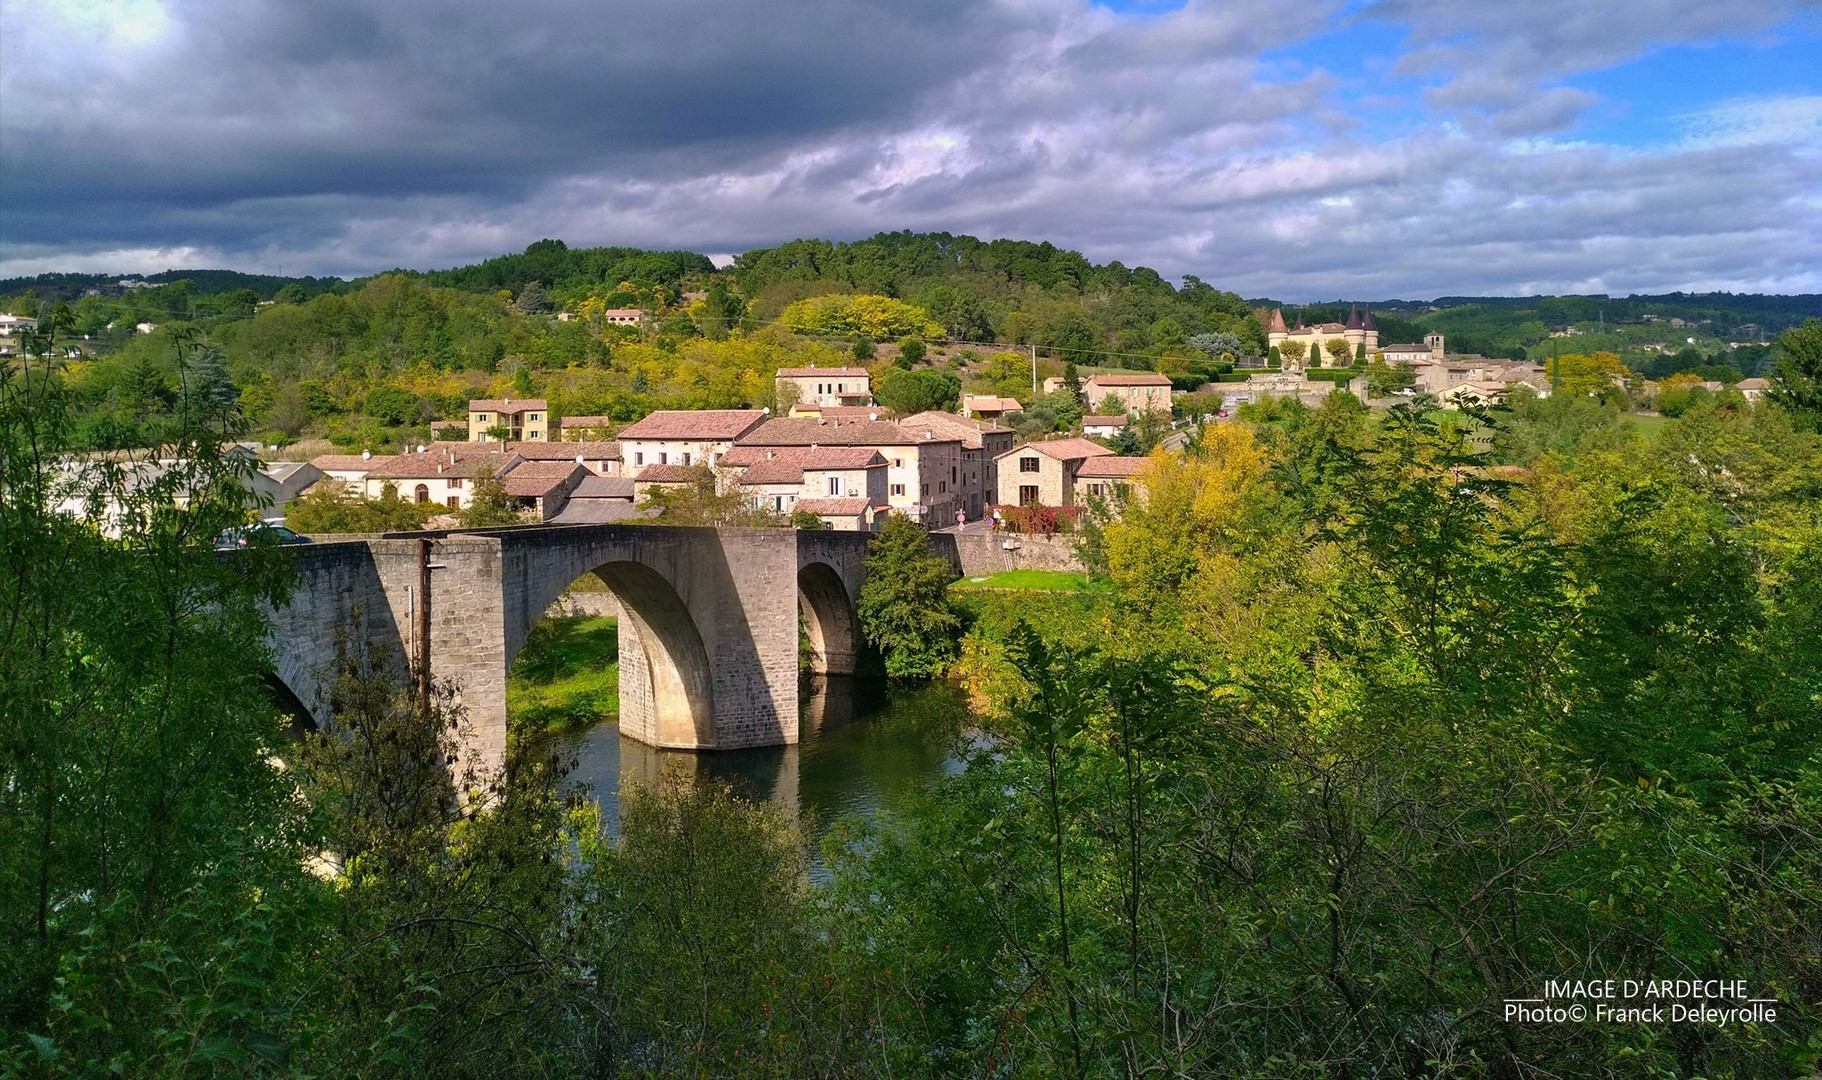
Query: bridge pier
(708, 633)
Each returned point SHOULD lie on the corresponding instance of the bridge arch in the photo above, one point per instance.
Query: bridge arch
(829, 619)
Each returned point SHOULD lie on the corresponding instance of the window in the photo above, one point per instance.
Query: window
(778, 503)
(455, 502)
(1097, 489)
(952, 474)
(898, 463)
(664, 457)
(639, 458)
(1028, 494)
(480, 418)
(1028, 464)
(423, 493)
(685, 457)
(531, 418)
(942, 486)
(834, 485)
(453, 483)
(925, 490)
(898, 489)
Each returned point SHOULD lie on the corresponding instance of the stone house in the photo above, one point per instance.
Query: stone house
(584, 428)
(526, 420)
(662, 476)
(982, 441)
(544, 486)
(923, 468)
(349, 470)
(441, 476)
(1045, 472)
(1104, 427)
(599, 500)
(989, 406)
(822, 386)
(1148, 392)
(685, 437)
(785, 479)
(1100, 476)
(1752, 389)
(600, 458)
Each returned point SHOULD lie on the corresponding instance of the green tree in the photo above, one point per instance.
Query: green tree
(908, 392)
(904, 603)
(1798, 379)
(533, 299)
(395, 405)
(910, 352)
(489, 505)
(328, 507)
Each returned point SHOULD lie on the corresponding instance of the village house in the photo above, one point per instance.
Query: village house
(449, 431)
(1148, 392)
(989, 406)
(598, 500)
(923, 468)
(349, 470)
(822, 386)
(1474, 393)
(585, 428)
(1104, 427)
(684, 437)
(663, 477)
(543, 486)
(1752, 389)
(1102, 476)
(599, 458)
(981, 441)
(849, 482)
(837, 414)
(14, 324)
(1431, 351)
(1044, 473)
(623, 316)
(527, 420)
(440, 476)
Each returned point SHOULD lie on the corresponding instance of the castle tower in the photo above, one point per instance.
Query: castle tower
(1275, 332)
(1355, 332)
(1369, 331)
(1434, 341)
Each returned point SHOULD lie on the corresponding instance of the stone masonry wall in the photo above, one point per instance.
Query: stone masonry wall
(980, 553)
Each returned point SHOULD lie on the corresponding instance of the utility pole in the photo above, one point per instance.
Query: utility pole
(1034, 372)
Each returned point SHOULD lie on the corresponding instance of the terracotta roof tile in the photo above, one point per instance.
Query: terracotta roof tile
(1064, 449)
(436, 463)
(348, 462)
(834, 507)
(566, 451)
(805, 431)
(822, 373)
(1147, 379)
(534, 479)
(1120, 420)
(507, 405)
(695, 424)
(668, 474)
(1111, 468)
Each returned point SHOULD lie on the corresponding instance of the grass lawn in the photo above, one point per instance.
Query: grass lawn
(1647, 424)
(1040, 580)
(567, 676)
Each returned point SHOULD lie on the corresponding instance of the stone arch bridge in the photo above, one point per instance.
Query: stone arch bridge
(708, 635)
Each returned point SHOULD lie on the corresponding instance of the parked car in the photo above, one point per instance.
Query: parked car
(265, 532)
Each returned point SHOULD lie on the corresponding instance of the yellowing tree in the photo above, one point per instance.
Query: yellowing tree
(877, 317)
(1579, 376)
(1183, 513)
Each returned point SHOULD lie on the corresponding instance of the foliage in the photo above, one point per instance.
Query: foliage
(1798, 385)
(908, 392)
(566, 675)
(1599, 374)
(903, 604)
(910, 352)
(328, 507)
(841, 315)
(489, 505)
(702, 500)
(1036, 519)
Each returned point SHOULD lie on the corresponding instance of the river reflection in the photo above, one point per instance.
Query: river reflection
(865, 745)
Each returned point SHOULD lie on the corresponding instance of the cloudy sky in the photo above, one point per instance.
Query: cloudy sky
(1302, 149)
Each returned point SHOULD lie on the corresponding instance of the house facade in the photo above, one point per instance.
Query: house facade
(442, 477)
(526, 420)
(1149, 392)
(923, 469)
(1100, 477)
(981, 442)
(822, 386)
(683, 437)
(1044, 473)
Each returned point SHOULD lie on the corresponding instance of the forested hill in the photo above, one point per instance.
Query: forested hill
(72, 287)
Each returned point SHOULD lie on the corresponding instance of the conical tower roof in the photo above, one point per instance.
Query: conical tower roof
(1354, 317)
(1300, 320)
(1366, 320)
(1277, 325)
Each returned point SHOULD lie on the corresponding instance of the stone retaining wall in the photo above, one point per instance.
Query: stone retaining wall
(979, 554)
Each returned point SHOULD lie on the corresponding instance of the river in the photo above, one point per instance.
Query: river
(865, 745)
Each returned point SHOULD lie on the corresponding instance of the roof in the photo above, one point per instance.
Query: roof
(991, 403)
(668, 474)
(822, 372)
(585, 421)
(435, 463)
(779, 471)
(1118, 420)
(603, 487)
(601, 450)
(834, 507)
(809, 431)
(348, 462)
(1148, 379)
(508, 405)
(595, 511)
(1754, 383)
(786, 464)
(1063, 449)
(284, 470)
(1404, 348)
(1111, 468)
(695, 424)
(534, 479)
(845, 414)
(966, 428)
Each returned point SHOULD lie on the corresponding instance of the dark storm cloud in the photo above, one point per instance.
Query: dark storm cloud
(349, 137)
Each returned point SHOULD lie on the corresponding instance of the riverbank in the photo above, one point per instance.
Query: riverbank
(567, 678)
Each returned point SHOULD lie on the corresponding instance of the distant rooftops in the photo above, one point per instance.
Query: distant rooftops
(508, 405)
(1146, 379)
(1064, 449)
(1111, 468)
(822, 373)
(698, 424)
